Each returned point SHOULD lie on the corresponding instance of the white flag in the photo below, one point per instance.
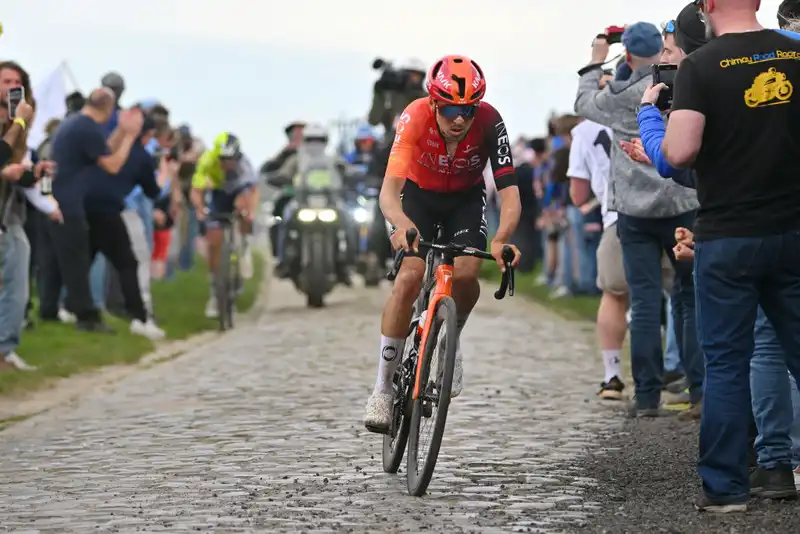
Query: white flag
(51, 96)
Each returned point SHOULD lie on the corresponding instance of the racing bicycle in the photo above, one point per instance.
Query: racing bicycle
(424, 378)
(228, 280)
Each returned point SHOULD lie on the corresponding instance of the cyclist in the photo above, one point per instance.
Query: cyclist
(226, 174)
(435, 175)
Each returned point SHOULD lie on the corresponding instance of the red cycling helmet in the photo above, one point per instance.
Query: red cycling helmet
(456, 80)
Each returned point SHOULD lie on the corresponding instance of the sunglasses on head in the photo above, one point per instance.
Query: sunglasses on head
(450, 112)
(668, 27)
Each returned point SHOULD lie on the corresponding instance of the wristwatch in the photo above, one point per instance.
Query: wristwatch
(645, 104)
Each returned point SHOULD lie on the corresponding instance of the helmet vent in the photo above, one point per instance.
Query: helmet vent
(462, 85)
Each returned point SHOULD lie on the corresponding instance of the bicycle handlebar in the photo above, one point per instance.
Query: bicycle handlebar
(453, 250)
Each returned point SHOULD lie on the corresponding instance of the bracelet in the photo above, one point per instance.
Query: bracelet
(645, 104)
(21, 122)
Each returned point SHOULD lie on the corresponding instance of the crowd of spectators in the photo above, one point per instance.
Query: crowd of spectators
(691, 207)
(92, 214)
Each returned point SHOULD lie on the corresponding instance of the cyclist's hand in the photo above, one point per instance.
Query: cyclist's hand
(496, 250)
(399, 241)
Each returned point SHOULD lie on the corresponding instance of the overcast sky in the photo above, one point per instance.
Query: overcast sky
(251, 66)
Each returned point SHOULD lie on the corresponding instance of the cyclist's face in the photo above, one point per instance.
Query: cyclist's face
(228, 164)
(455, 121)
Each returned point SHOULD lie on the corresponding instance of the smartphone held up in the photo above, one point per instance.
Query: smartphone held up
(665, 73)
(15, 96)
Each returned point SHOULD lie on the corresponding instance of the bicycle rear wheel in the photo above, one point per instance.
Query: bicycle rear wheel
(394, 443)
(430, 409)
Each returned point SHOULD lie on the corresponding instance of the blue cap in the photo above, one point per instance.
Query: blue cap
(184, 129)
(364, 132)
(642, 40)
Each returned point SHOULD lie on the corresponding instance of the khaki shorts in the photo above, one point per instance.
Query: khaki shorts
(611, 271)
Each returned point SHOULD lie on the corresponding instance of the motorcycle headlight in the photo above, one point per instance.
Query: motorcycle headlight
(360, 215)
(327, 215)
(307, 215)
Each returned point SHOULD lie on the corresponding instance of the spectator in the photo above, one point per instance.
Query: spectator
(75, 102)
(649, 209)
(747, 249)
(589, 168)
(189, 150)
(525, 234)
(14, 246)
(104, 203)
(80, 151)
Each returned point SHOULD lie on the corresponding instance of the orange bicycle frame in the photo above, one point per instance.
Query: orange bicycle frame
(443, 288)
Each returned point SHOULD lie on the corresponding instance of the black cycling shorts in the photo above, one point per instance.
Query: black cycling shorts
(462, 214)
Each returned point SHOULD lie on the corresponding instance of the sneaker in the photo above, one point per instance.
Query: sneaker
(542, 280)
(148, 330)
(560, 292)
(680, 398)
(212, 310)
(694, 413)
(246, 265)
(611, 390)
(13, 360)
(66, 317)
(378, 414)
(704, 504)
(458, 376)
(671, 377)
(775, 483)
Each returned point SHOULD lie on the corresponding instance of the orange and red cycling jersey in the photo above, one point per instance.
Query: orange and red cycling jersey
(419, 152)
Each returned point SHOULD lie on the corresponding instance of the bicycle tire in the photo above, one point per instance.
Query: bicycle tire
(394, 447)
(445, 317)
(222, 283)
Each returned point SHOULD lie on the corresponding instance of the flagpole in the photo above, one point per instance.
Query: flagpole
(70, 75)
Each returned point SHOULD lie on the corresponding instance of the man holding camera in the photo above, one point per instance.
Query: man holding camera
(649, 209)
(394, 90)
(736, 121)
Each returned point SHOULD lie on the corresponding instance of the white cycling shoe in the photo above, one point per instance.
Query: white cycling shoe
(378, 413)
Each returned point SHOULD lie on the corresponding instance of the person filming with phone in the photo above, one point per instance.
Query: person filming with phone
(649, 208)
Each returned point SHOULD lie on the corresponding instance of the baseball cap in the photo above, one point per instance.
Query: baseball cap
(690, 31)
(642, 40)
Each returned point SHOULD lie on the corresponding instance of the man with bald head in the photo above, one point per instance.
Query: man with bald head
(736, 121)
(81, 152)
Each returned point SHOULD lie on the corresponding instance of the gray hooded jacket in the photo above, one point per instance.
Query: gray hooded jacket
(634, 189)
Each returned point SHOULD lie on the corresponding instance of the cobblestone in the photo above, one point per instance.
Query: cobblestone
(261, 430)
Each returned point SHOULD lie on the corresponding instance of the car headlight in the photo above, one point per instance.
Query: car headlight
(360, 215)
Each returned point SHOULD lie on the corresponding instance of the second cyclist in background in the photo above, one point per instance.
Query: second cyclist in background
(224, 182)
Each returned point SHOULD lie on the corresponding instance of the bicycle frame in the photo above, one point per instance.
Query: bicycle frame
(443, 288)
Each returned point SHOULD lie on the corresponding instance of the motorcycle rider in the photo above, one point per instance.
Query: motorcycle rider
(364, 149)
(309, 153)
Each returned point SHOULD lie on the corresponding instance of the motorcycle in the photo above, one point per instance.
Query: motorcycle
(316, 242)
(362, 212)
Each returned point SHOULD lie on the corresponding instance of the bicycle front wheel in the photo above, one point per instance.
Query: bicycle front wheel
(429, 414)
(223, 289)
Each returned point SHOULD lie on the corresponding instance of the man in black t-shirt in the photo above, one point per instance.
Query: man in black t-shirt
(736, 120)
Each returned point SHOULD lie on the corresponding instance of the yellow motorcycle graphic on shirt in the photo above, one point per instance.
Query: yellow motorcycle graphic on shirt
(769, 86)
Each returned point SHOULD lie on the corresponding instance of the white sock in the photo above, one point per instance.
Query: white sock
(388, 360)
(611, 362)
(460, 322)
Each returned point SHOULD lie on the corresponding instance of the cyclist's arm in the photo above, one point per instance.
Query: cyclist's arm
(251, 194)
(504, 178)
(396, 172)
(200, 180)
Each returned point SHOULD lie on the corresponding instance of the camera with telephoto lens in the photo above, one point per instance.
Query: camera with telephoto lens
(391, 79)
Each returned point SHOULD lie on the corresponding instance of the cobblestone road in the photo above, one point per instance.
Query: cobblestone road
(261, 431)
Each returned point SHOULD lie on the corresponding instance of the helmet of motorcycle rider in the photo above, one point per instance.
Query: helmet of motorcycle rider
(315, 132)
(365, 132)
(412, 64)
(456, 80)
(229, 146)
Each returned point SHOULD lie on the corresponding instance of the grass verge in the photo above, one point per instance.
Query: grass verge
(58, 350)
(577, 308)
